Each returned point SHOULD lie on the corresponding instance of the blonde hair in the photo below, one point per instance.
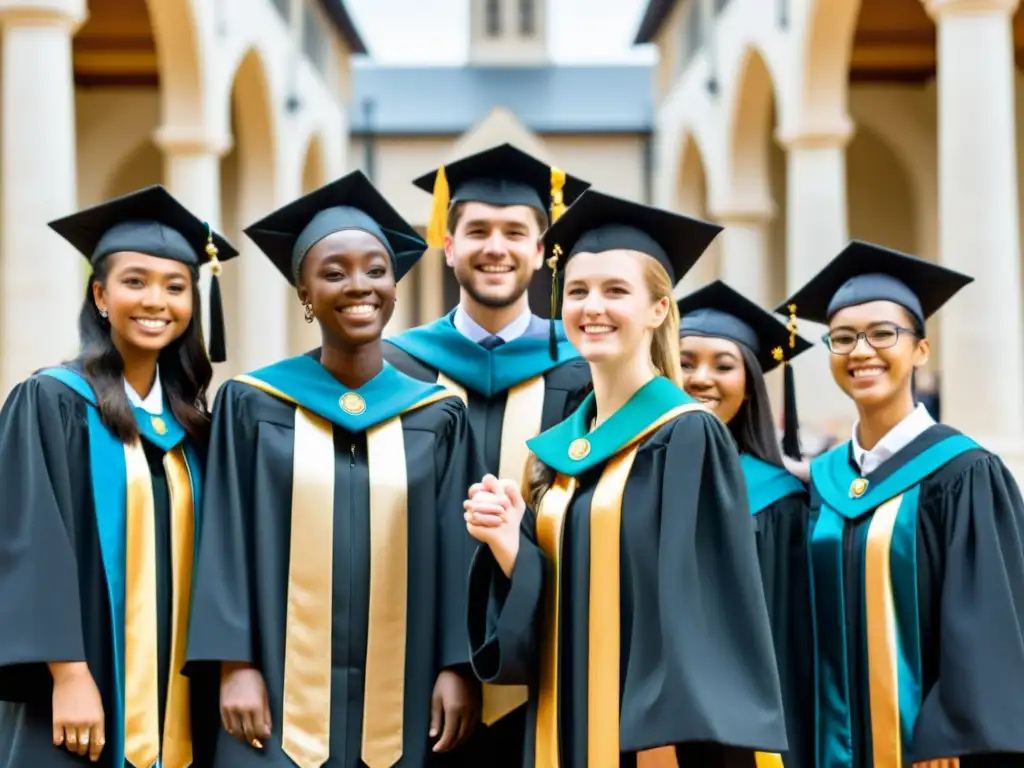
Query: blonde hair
(664, 358)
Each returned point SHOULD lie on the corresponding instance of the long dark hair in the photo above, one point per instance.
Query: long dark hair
(185, 369)
(753, 427)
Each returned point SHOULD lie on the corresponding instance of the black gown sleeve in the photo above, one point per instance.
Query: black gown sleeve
(703, 670)
(458, 466)
(974, 710)
(40, 606)
(504, 615)
(782, 540)
(222, 626)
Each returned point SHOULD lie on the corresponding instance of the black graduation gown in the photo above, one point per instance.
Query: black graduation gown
(779, 503)
(952, 647)
(240, 606)
(54, 603)
(697, 667)
(487, 377)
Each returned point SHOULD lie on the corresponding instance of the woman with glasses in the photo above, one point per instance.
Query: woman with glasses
(916, 552)
(727, 343)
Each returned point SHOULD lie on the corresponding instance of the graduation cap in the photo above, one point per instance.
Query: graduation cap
(718, 311)
(502, 175)
(153, 222)
(865, 272)
(351, 202)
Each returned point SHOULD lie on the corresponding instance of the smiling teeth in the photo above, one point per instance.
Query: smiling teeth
(597, 329)
(359, 309)
(861, 373)
(148, 323)
(498, 268)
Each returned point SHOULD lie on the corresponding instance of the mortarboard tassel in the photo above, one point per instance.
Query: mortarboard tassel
(218, 342)
(557, 197)
(552, 262)
(791, 422)
(438, 226)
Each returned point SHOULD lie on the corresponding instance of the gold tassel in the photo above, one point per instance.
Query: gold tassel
(791, 326)
(212, 252)
(557, 197)
(438, 226)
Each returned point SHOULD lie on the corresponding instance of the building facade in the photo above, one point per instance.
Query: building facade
(235, 105)
(799, 124)
(592, 121)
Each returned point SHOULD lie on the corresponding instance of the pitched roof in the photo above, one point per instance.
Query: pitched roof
(655, 15)
(342, 20)
(547, 99)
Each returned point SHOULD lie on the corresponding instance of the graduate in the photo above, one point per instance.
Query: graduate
(327, 590)
(727, 344)
(101, 466)
(517, 372)
(631, 601)
(916, 556)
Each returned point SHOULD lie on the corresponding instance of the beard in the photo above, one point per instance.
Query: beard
(465, 278)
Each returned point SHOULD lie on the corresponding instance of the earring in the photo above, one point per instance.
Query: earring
(307, 312)
(103, 314)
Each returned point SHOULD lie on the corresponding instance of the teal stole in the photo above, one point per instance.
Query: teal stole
(108, 474)
(767, 483)
(441, 346)
(885, 555)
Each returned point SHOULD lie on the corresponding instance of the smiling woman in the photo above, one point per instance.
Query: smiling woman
(100, 469)
(337, 621)
(915, 556)
(632, 581)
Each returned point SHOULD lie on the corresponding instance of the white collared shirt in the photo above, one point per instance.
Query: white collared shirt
(153, 404)
(473, 331)
(896, 439)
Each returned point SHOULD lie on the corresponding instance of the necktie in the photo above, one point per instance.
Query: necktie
(491, 342)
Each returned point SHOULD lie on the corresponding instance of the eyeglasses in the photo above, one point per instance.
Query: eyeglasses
(879, 337)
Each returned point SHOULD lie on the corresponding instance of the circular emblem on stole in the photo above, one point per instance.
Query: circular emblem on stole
(352, 403)
(857, 488)
(579, 448)
(159, 425)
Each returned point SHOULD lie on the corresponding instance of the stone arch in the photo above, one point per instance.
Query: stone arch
(823, 69)
(250, 190)
(141, 167)
(179, 30)
(303, 336)
(692, 198)
(751, 113)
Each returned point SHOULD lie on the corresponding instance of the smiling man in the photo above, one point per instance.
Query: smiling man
(517, 372)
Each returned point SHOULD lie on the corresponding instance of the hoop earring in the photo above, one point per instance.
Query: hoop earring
(307, 312)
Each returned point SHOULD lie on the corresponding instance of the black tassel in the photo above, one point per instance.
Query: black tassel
(791, 422)
(218, 343)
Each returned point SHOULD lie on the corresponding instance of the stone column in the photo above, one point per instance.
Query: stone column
(816, 230)
(744, 258)
(41, 276)
(982, 340)
(192, 174)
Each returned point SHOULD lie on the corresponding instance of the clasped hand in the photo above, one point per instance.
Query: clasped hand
(494, 511)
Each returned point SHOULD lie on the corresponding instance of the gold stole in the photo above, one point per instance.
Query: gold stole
(604, 630)
(524, 412)
(305, 731)
(142, 746)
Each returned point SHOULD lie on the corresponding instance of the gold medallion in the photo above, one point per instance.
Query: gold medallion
(352, 403)
(857, 488)
(579, 448)
(159, 425)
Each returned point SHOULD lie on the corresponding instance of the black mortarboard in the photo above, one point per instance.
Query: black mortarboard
(599, 222)
(719, 311)
(153, 222)
(865, 272)
(501, 175)
(351, 202)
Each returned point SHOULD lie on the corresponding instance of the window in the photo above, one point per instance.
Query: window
(314, 39)
(527, 18)
(492, 20)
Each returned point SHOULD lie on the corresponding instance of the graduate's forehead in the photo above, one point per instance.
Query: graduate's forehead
(616, 264)
(348, 242)
(136, 261)
(870, 313)
(709, 346)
